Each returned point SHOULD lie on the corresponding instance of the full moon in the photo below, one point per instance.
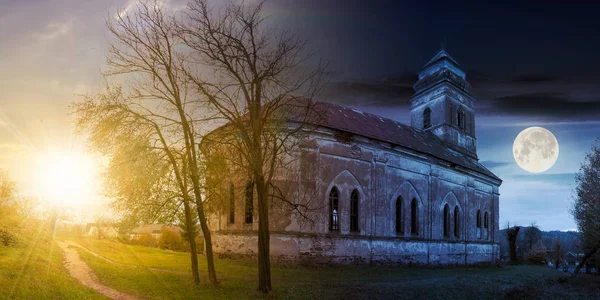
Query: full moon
(535, 149)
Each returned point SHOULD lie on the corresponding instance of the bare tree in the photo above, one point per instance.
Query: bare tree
(586, 207)
(532, 235)
(156, 106)
(249, 73)
(512, 234)
(557, 254)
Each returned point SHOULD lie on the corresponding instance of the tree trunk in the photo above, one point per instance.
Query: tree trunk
(264, 259)
(585, 258)
(191, 240)
(512, 240)
(210, 262)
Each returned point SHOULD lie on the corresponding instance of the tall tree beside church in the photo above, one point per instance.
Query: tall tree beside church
(157, 105)
(586, 207)
(248, 73)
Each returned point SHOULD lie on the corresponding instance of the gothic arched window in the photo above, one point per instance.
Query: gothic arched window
(399, 227)
(354, 211)
(231, 204)
(414, 217)
(460, 118)
(478, 222)
(249, 201)
(446, 221)
(334, 221)
(485, 220)
(427, 118)
(456, 227)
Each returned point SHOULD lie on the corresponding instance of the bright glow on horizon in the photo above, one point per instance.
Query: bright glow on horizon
(66, 178)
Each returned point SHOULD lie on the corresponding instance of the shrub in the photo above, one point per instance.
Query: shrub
(170, 240)
(199, 245)
(146, 239)
(7, 238)
(124, 238)
(537, 254)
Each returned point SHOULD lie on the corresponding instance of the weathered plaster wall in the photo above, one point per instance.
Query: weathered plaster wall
(381, 174)
(319, 249)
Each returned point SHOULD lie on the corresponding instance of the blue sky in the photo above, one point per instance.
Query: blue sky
(530, 64)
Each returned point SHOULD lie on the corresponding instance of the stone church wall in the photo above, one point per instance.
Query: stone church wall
(381, 174)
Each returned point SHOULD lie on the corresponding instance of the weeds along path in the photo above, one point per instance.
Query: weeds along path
(83, 273)
(73, 244)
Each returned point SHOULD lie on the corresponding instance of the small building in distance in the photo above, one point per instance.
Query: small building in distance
(101, 231)
(155, 230)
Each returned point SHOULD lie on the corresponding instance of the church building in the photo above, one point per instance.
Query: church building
(382, 191)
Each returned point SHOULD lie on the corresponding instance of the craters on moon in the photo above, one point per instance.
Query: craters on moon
(535, 149)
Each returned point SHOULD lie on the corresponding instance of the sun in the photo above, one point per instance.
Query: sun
(65, 178)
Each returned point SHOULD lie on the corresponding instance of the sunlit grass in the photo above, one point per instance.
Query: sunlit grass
(33, 269)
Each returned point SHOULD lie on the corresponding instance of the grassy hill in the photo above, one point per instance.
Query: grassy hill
(32, 267)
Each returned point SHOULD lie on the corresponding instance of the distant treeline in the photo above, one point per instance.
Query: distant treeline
(568, 239)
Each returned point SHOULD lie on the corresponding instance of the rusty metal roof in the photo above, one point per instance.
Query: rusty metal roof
(391, 131)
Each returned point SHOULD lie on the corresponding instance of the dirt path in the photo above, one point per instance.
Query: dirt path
(83, 273)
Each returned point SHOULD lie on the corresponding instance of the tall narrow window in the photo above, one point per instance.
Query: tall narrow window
(334, 223)
(478, 221)
(460, 118)
(399, 227)
(446, 221)
(249, 201)
(231, 204)
(414, 217)
(456, 227)
(485, 220)
(427, 118)
(354, 211)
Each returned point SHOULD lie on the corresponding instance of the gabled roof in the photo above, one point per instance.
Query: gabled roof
(391, 131)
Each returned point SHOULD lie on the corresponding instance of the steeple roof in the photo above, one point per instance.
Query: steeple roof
(442, 54)
(442, 60)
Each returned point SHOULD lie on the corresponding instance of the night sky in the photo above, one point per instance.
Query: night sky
(530, 64)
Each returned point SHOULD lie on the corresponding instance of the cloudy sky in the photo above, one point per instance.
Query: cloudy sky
(530, 64)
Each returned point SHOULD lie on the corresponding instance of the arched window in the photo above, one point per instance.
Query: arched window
(399, 227)
(414, 217)
(249, 201)
(354, 211)
(478, 221)
(427, 118)
(446, 221)
(334, 221)
(460, 118)
(456, 227)
(231, 204)
(485, 220)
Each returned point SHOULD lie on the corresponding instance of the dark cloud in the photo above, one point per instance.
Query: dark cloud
(534, 78)
(560, 178)
(532, 95)
(491, 164)
(550, 105)
(385, 91)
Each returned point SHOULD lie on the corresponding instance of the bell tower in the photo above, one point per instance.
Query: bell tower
(443, 104)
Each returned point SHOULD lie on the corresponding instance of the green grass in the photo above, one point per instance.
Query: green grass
(238, 279)
(33, 269)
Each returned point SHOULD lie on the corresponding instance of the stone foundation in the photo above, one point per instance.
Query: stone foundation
(357, 249)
